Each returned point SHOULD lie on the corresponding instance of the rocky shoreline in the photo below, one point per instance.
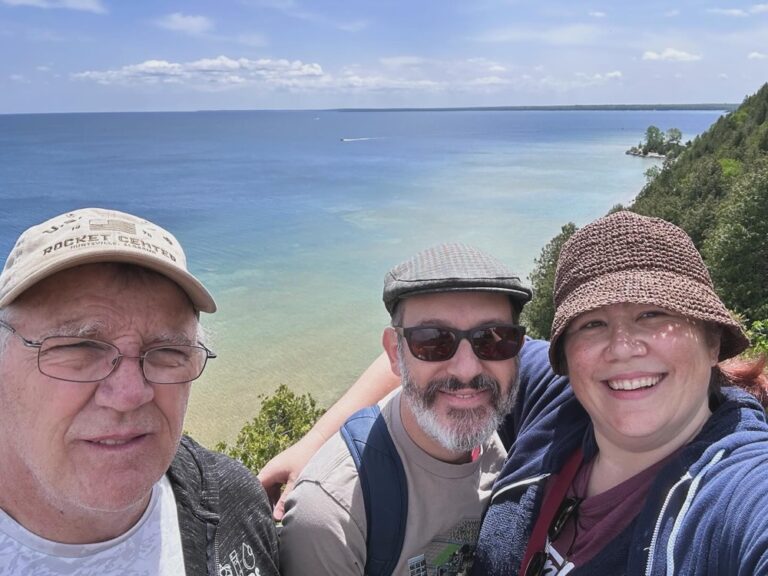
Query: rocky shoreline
(637, 152)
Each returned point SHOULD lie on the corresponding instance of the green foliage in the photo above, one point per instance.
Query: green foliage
(654, 140)
(758, 335)
(737, 249)
(673, 136)
(731, 168)
(652, 173)
(616, 208)
(658, 142)
(716, 191)
(283, 419)
(538, 313)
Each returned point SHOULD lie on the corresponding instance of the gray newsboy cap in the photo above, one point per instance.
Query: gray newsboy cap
(452, 268)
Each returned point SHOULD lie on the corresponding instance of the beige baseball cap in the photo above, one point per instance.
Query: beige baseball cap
(91, 235)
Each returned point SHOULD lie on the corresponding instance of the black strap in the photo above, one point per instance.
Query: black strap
(385, 490)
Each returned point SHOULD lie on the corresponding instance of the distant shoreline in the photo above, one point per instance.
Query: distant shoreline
(575, 107)
(722, 107)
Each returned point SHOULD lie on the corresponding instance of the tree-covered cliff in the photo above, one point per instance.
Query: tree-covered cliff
(717, 190)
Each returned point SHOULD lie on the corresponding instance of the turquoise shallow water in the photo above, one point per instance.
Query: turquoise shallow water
(292, 218)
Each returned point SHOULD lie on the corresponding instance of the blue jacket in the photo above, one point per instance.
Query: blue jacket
(706, 512)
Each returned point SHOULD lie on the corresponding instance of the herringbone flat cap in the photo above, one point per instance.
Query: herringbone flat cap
(452, 268)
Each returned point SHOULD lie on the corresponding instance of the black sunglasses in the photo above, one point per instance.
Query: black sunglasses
(567, 510)
(437, 343)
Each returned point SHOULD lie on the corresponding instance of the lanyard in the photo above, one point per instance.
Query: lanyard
(549, 508)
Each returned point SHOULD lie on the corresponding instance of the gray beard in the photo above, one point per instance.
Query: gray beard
(466, 429)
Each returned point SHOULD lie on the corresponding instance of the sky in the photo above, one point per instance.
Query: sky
(140, 55)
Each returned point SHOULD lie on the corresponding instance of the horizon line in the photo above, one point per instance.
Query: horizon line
(727, 107)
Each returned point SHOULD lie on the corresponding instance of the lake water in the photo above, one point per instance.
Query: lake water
(292, 218)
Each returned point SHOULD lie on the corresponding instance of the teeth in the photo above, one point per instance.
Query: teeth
(634, 384)
(112, 442)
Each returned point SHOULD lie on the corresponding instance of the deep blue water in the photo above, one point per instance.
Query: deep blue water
(293, 228)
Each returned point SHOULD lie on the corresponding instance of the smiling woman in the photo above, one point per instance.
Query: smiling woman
(665, 430)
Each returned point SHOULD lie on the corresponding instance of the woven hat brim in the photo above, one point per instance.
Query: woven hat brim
(668, 290)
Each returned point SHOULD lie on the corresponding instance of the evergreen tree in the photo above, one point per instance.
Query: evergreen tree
(283, 419)
(737, 249)
(539, 312)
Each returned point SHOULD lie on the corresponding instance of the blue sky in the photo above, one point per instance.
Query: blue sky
(110, 55)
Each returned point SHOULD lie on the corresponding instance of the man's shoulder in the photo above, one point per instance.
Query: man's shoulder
(330, 481)
(212, 488)
(195, 467)
(192, 454)
(333, 462)
(331, 465)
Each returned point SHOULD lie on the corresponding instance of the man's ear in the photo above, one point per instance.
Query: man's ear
(389, 341)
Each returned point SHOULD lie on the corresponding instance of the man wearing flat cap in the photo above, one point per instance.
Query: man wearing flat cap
(99, 344)
(453, 342)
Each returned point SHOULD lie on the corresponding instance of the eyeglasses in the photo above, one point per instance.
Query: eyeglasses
(85, 360)
(438, 343)
(568, 509)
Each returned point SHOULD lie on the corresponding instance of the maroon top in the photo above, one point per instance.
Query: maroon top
(598, 519)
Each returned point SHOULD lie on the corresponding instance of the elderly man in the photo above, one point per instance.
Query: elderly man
(99, 342)
(453, 342)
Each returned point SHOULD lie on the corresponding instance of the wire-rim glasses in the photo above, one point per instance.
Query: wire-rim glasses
(76, 359)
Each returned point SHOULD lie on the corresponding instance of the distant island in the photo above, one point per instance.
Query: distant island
(573, 107)
(658, 144)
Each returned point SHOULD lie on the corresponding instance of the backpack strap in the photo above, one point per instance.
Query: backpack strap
(385, 490)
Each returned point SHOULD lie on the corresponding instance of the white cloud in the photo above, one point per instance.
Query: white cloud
(220, 73)
(577, 81)
(723, 75)
(94, 6)
(757, 56)
(671, 55)
(573, 35)
(188, 24)
(487, 65)
(759, 8)
(672, 13)
(43, 68)
(736, 12)
(598, 78)
(397, 74)
(355, 80)
(598, 14)
(19, 79)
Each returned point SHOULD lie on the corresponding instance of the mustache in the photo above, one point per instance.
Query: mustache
(479, 383)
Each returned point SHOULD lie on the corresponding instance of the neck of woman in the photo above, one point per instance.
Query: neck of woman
(615, 463)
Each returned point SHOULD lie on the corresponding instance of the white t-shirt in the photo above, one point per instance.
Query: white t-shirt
(151, 547)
